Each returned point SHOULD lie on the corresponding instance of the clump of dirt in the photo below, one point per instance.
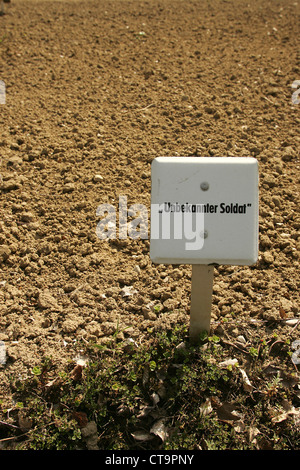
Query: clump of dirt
(94, 92)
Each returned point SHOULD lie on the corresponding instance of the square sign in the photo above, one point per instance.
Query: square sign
(204, 210)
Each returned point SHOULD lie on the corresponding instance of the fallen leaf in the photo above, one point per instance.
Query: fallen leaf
(55, 381)
(155, 398)
(81, 360)
(25, 423)
(142, 436)
(81, 418)
(128, 291)
(76, 373)
(206, 407)
(286, 410)
(264, 444)
(239, 426)
(2, 353)
(160, 430)
(227, 412)
(228, 363)
(252, 433)
(246, 382)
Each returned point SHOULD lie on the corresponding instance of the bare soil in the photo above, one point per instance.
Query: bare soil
(102, 88)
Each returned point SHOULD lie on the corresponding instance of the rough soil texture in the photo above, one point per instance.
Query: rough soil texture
(102, 88)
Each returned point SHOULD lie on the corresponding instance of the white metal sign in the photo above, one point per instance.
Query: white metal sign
(204, 210)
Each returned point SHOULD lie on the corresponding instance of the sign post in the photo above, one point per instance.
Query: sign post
(204, 212)
(201, 299)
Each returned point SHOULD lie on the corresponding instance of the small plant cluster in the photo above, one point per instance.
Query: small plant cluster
(167, 393)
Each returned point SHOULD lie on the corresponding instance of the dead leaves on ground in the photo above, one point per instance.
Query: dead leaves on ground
(76, 373)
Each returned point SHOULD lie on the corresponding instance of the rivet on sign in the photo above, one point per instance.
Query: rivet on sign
(204, 234)
(204, 186)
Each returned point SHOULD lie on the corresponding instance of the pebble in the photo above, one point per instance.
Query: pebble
(148, 314)
(27, 217)
(11, 184)
(269, 181)
(14, 161)
(2, 353)
(288, 154)
(137, 269)
(90, 435)
(97, 178)
(68, 188)
(4, 253)
(128, 291)
(268, 257)
(241, 339)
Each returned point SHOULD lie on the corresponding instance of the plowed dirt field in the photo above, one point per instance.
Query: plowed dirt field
(95, 90)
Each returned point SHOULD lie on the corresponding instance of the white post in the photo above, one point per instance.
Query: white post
(201, 299)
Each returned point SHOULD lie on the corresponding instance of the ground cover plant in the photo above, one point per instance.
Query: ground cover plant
(165, 393)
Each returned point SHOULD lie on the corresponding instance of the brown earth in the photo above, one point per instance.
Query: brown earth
(102, 88)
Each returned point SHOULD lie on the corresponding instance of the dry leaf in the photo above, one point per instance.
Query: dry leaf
(282, 313)
(228, 413)
(286, 411)
(239, 426)
(142, 436)
(128, 291)
(25, 423)
(252, 433)
(53, 382)
(248, 387)
(206, 407)
(81, 418)
(2, 353)
(144, 411)
(160, 430)
(228, 362)
(76, 373)
(155, 398)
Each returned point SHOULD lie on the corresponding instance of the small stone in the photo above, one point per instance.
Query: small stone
(4, 253)
(276, 201)
(241, 339)
(137, 269)
(209, 110)
(288, 154)
(68, 188)
(148, 314)
(27, 217)
(269, 181)
(235, 332)
(268, 257)
(128, 291)
(97, 178)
